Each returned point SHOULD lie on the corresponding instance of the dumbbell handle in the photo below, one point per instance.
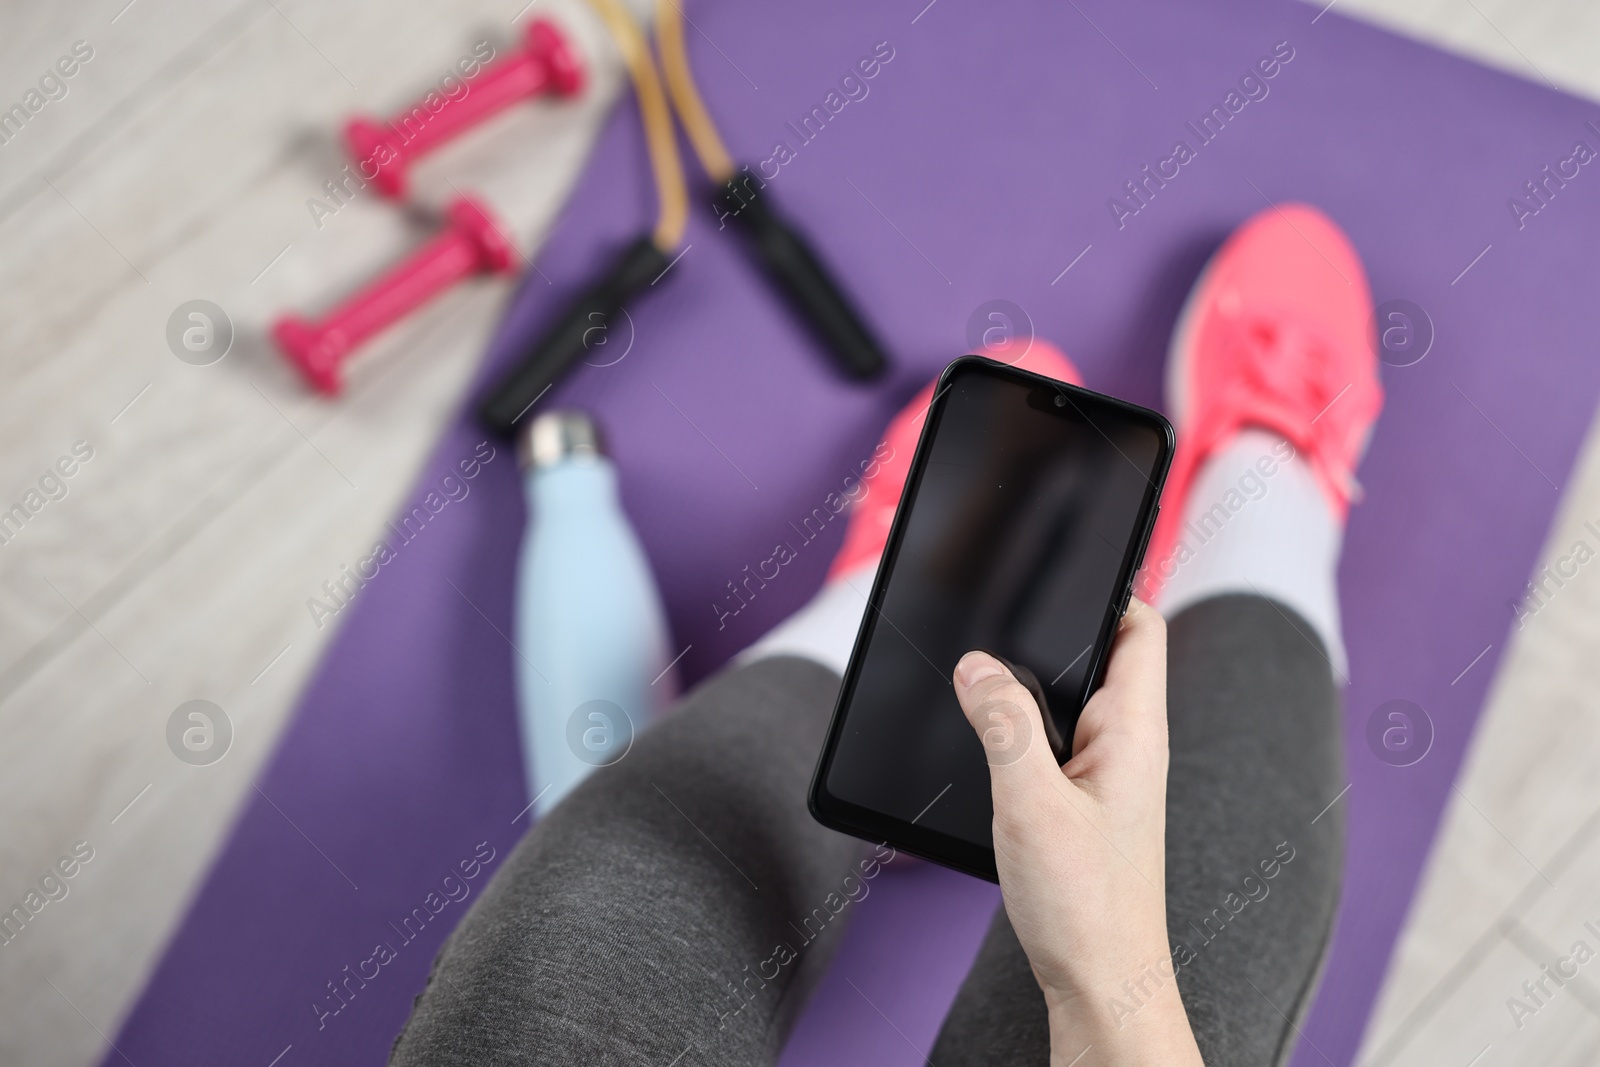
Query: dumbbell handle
(471, 244)
(384, 151)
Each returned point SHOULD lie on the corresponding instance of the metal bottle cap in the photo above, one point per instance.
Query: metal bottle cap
(557, 435)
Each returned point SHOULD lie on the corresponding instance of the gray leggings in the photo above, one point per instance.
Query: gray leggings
(614, 931)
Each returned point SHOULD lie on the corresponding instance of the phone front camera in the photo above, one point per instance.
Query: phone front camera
(1061, 401)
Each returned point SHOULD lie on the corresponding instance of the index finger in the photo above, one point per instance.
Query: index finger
(1137, 670)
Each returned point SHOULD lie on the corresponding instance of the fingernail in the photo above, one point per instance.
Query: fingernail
(975, 667)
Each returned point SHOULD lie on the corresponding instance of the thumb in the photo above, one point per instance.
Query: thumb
(1008, 722)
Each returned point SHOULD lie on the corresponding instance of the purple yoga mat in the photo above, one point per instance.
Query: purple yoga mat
(980, 165)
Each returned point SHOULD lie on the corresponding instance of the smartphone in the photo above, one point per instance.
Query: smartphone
(1023, 521)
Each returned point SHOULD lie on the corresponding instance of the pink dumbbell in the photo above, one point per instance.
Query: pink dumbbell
(384, 151)
(471, 244)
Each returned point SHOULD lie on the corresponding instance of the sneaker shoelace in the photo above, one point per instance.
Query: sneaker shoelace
(1291, 367)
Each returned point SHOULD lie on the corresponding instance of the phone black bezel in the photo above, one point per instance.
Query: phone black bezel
(901, 834)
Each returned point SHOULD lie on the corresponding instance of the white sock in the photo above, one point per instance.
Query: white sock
(825, 629)
(1257, 522)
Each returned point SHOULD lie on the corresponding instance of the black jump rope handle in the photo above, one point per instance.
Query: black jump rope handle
(797, 270)
(588, 316)
(787, 259)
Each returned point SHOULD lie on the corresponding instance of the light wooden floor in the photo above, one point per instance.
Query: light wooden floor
(219, 498)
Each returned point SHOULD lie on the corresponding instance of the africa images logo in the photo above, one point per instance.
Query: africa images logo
(1253, 88)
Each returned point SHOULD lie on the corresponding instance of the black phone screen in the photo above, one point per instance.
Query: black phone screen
(1026, 510)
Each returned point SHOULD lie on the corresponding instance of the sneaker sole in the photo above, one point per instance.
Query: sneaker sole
(1179, 347)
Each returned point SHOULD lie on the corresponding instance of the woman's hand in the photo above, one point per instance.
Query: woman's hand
(1081, 849)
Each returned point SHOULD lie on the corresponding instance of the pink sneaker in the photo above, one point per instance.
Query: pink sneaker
(1276, 335)
(873, 512)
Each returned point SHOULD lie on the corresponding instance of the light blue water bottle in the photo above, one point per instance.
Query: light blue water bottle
(590, 629)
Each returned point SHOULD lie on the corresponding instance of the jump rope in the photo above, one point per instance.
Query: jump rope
(784, 255)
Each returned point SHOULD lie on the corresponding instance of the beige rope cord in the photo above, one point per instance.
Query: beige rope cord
(671, 188)
(691, 108)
